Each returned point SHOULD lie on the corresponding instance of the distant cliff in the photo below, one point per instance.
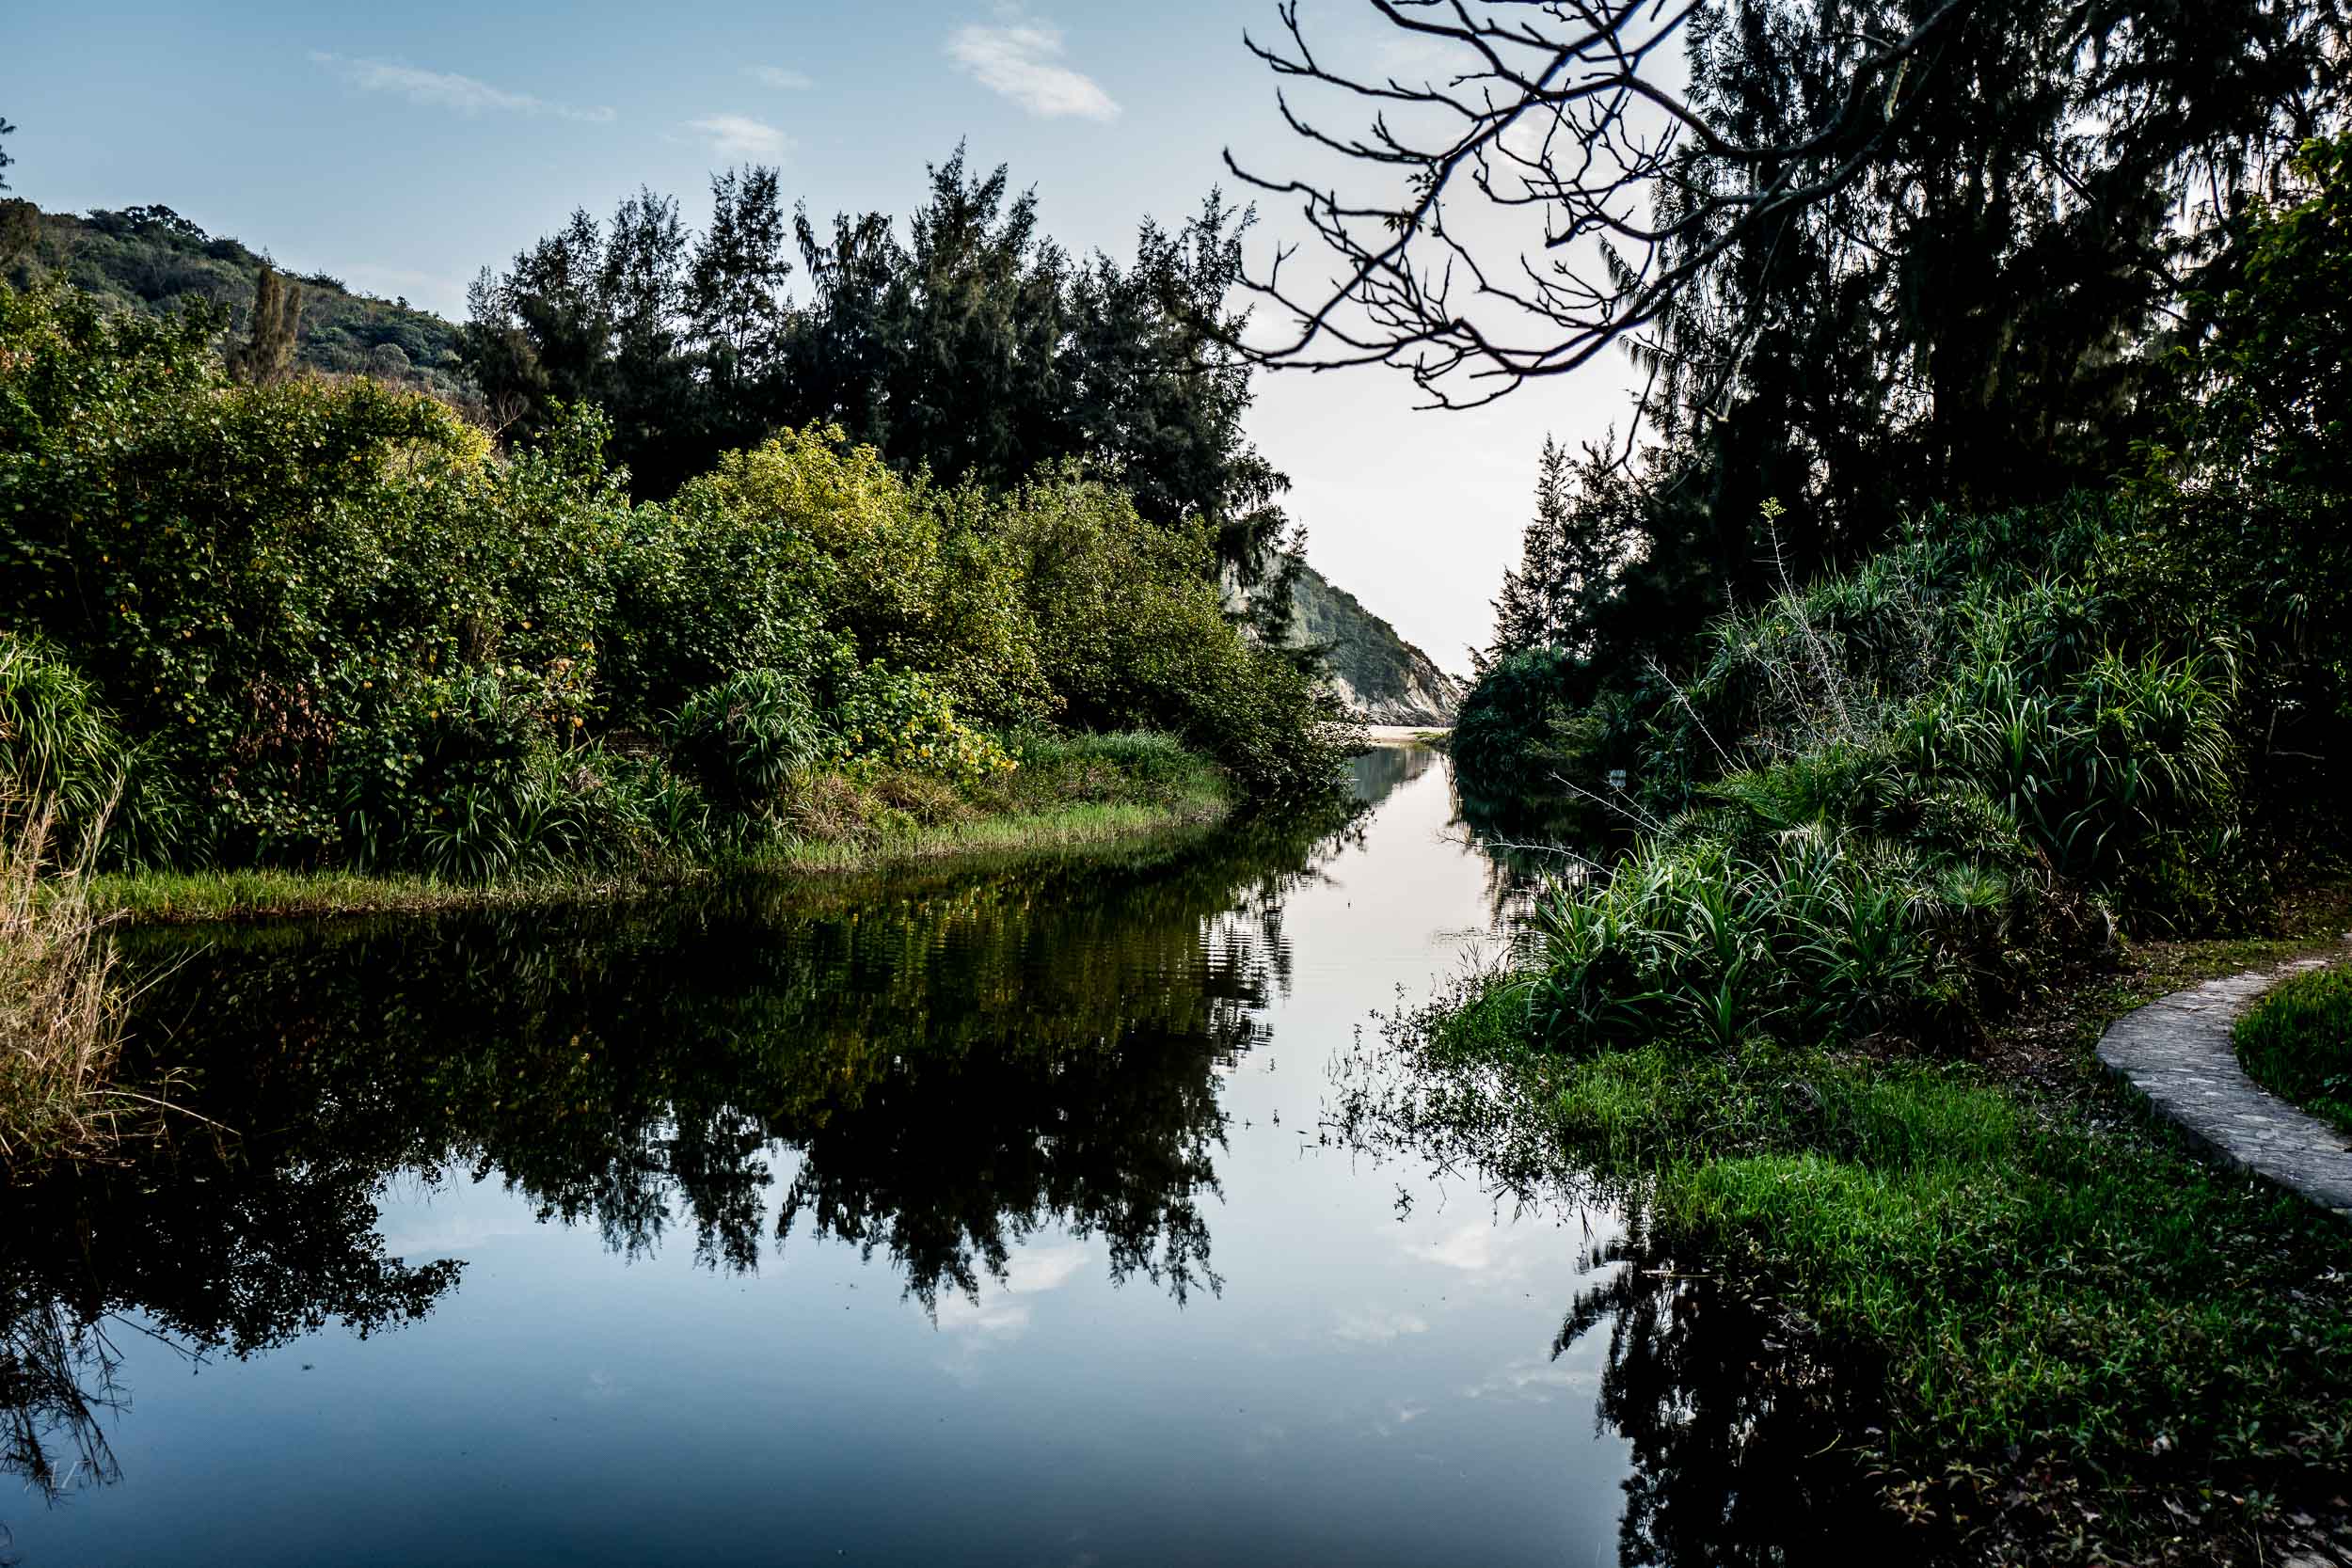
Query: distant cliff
(1385, 679)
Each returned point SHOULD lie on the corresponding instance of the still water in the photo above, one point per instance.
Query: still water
(988, 1215)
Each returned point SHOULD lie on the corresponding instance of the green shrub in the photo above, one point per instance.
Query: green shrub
(1509, 735)
(2297, 1042)
(57, 744)
(745, 737)
(323, 624)
(1134, 636)
(1894, 771)
(882, 718)
(914, 577)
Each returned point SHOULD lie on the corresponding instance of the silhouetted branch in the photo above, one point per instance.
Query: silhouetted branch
(1562, 108)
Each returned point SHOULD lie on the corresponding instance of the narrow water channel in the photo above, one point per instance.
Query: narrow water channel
(980, 1217)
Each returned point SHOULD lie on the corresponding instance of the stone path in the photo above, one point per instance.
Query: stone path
(2177, 1051)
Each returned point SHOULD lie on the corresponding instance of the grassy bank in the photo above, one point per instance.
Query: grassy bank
(1825, 1026)
(2089, 1344)
(2297, 1043)
(1067, 793)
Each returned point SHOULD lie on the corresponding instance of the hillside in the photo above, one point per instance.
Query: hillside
(153, 259)
(1386, 679)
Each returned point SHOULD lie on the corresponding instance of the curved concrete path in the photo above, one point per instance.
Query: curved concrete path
(2177, 1051)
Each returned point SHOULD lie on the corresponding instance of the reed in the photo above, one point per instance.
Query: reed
(60, 1021)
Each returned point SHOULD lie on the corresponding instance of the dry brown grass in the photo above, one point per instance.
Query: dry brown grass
(60, 1021)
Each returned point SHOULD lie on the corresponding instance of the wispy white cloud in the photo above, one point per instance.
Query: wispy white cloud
(740, 137)
(446, 89)
(1375, 1325)
(1001, 1310)
(1018, 59)
(778, 76)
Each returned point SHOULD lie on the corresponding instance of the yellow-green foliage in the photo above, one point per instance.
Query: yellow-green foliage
(325, 625)
(917, 578)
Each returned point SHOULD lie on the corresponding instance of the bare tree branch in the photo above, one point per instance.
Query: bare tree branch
(1561, 108)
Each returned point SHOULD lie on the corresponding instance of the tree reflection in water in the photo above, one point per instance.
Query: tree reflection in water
(931, 1068)
(212, 1253)
(1740, 1426)
(1737, 1424)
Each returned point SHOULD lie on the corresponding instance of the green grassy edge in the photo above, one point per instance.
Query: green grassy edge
(193, 897)
(2098, 1346)
(2297, 1042)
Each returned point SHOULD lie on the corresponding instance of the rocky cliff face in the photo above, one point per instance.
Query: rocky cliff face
(1384, 679)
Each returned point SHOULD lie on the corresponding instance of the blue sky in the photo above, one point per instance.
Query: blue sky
(402, 148)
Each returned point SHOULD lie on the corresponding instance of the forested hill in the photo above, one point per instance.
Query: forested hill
(1382, 678)
(151, 258)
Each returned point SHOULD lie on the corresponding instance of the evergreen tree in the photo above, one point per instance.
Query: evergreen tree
(972, 347)
(1524, 615)
(735, 304)
(1570, 556)
(267, 353)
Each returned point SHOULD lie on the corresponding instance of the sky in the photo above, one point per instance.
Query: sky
(404, 147)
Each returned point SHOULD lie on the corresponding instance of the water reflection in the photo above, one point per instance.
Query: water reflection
(1741, 1423)
(993, 1084)
(219, 1255)
(932, 1068)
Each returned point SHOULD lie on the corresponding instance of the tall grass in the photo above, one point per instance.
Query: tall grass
(1892, 795)
(60, 1022)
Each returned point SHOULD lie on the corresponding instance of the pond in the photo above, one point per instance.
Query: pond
(992, 1215)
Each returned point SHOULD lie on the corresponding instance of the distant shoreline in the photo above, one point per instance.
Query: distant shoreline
(1406, 734)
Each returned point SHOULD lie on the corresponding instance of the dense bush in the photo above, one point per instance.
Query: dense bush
(324, 624)
(1507, 737)
(1131, 626)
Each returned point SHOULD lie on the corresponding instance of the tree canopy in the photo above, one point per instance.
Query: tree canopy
(1866, 256)
(964, 342)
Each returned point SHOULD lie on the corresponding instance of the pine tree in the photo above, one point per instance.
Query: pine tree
(1586, 514)
(267, 353)
(1538, 593)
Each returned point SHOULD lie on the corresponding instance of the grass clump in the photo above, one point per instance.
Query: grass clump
(2297, 1042)
(59, 1025)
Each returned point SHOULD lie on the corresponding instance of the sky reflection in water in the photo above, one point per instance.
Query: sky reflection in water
(972, 1218)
